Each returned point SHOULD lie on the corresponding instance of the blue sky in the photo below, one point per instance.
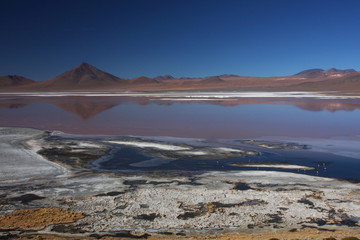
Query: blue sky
(131, 38)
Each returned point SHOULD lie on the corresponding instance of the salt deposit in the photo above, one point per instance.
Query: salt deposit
(190, 95)
(160, 146)
(281, 166)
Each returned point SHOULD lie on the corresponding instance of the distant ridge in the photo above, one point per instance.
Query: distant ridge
(312, 71)
(228, 75)
(318, 72)
(335, 70)
(14, 80)
(214, 79)
(349, 82)
(85, 77)
(165, 77)
(143, 80)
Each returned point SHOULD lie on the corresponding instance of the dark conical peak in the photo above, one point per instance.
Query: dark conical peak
(85, 65)
(83, 76)
(85, 68)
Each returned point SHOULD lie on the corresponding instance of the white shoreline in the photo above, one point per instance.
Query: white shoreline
(19, 160)
(281, 166)
(189, 96)
(160, 146)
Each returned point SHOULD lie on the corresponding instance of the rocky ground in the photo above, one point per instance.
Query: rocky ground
(67, 200)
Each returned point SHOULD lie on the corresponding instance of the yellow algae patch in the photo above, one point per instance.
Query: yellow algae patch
(35, 219)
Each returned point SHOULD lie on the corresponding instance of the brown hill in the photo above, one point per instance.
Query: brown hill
(214, 79)
(14, 81)
(311, 73)
(337, 71)
(143, 80)
(320, 73)
(349, 82)
(82, 77)
(165, 77)
(228, 75)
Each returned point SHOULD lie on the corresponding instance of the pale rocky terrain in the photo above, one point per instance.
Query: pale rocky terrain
(166, 204)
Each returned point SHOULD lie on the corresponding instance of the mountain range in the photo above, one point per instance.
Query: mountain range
(85, 77)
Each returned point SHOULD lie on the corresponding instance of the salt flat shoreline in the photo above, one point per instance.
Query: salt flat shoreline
(182, 204)
(192, 95)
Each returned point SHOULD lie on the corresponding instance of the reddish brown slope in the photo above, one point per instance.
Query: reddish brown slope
(212, 80)
(349, 82)
(14, 81)
(320, 73)
(82, 77)
(143, 80)
(165, 77)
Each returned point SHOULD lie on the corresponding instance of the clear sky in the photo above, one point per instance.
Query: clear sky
(131, 38)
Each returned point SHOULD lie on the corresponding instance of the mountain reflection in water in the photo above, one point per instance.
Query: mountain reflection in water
(214, 118)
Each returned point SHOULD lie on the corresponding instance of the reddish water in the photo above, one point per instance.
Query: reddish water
(231, 118)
